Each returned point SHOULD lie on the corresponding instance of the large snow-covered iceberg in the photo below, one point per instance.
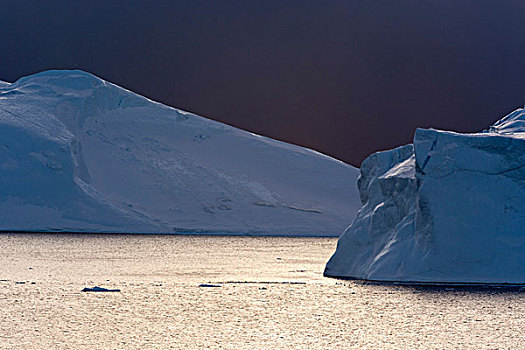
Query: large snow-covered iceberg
(449, 208)
(78, 153)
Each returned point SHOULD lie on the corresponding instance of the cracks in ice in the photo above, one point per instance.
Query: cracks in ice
(425, 162)
(457, 170)
(503, 172)
(20, 116)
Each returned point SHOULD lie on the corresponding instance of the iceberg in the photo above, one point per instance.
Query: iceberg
(449, 208)
(80, 154)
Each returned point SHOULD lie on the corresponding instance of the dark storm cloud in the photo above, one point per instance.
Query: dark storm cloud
(344, 77)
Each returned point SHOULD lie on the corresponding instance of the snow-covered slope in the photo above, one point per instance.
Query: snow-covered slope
(80, 154)
(449, 208)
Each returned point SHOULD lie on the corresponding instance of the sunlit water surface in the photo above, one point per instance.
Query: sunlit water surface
(162, 306)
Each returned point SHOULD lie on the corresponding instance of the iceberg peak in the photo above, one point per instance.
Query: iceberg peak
(67, 79)
(514, 123)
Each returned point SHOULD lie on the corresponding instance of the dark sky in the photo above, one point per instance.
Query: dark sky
(346, 78)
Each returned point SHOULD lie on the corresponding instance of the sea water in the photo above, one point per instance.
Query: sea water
(194, 292)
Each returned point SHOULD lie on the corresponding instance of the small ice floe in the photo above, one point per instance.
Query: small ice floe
(99, 289)
(210, 285)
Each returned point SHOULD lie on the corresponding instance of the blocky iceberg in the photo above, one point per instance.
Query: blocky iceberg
(80, 154)
(448, 208)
